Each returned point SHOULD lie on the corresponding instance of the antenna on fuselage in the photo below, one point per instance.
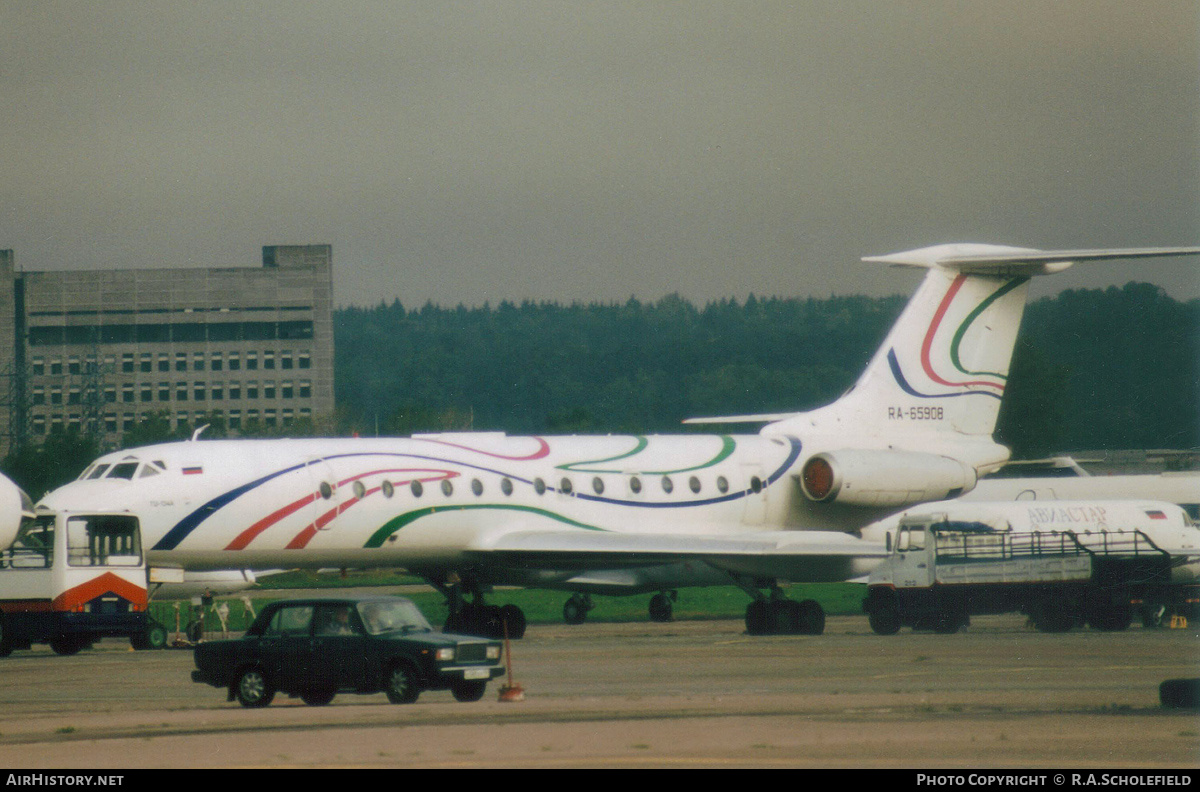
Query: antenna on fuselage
(196, 434)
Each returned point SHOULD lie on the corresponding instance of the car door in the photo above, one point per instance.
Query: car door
(285, 647)
(338, 648)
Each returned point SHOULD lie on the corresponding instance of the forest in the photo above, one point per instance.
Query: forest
(1093, 369)
(1103, 368)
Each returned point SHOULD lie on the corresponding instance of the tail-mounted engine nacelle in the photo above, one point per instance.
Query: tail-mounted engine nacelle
(884, 478)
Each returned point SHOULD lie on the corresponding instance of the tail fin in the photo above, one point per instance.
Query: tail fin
(940, 375)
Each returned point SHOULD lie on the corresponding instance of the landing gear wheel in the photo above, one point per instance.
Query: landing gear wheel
(514, 618)
(319, 697)
(253, 690)
(812, 618)
(758, 618)
(661, 609)
(155, 637)
(195, 631)
(575, 610)
(401, 685)
(468, 690)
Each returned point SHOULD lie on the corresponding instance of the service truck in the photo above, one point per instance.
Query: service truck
(943, 571)
(70, 579)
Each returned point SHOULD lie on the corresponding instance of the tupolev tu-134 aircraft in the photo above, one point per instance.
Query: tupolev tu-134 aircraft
(616, 514)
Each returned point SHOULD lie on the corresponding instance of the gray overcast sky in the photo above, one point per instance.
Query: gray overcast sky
(464, 152)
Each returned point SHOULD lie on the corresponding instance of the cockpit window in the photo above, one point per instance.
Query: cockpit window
(123, 470)
(148, 470)
(98, 471)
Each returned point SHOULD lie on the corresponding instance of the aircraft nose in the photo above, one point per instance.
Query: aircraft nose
(14, 504)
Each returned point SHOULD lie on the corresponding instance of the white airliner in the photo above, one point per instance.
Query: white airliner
(616, 514)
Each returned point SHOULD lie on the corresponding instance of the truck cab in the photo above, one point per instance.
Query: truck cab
(71, 578)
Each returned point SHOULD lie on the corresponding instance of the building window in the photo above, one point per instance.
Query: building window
(147, 392)
(39, 367)
(235, 362)
(127, 363)
(285, 360)
(56, 395)
(269, 389)
(235, 390)
(305, 360)
(198, 391)
(218, 391)
(181, 361)
(217, 361)
(147, 363)
(164, 362)
(269, 360)
(287, 390)
(164, 391)
(305, 389)
(181, 391)
(198, 361)
(235, 419)
(252, 389)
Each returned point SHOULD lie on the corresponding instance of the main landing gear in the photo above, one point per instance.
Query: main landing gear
(662, 608)
(775, 614)
(478, 618)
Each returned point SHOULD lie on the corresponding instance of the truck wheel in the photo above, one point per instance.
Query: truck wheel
(253, 689)
(1049, 619)
(884, 620)
(155, 637)
(758, 618)
(401, 684)
(64, 645)
(472, 690)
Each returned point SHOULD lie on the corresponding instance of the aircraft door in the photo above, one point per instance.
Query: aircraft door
(755, 511)
(325, 486)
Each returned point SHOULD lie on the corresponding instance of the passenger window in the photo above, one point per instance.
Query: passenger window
(447, 488)
(667, 484)
(635, 485)
(336, 620)
(565, 486)
(722, 484)
(694, 484)
(417, 488)
(360, 489)
(506, 486)
(598, 485)
(477, 487)
(539, 486)
(292, 622)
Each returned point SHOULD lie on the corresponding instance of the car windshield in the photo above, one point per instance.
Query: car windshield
(380, 617)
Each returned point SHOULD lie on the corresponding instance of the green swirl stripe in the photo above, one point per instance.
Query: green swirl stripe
(971, 317)
(396, 523)
(728, 445)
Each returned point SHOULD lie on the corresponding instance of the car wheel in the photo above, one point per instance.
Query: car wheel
(319, 697)
(253, 690)
(401, 685)
(469, 691)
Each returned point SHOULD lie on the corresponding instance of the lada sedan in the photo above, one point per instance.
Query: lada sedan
(317, 648)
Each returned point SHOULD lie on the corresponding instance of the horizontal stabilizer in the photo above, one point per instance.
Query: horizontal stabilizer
(731, 419)
(987, 259)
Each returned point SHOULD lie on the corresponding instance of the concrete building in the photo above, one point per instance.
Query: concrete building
(100, 350)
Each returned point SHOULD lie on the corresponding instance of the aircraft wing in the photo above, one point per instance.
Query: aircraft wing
(792, 555)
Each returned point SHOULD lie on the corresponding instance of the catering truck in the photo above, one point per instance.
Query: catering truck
(69, 579)
(941, 571)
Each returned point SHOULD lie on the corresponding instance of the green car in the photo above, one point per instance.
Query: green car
(317, 648)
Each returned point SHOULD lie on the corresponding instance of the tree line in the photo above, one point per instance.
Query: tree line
(1095, 368)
